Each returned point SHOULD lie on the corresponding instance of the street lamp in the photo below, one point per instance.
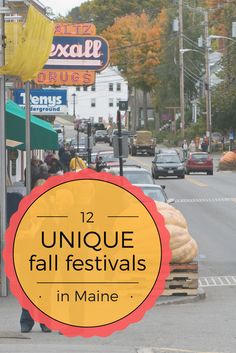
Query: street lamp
(181, 66)
(73, 97)
(74, 117)
(213, 36)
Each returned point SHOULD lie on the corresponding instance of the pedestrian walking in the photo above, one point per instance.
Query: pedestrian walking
(200, 143)
(100, 164)
(26, 321)
(49, 157)
(192, 146)
(204, 146)
(55, 167)
(77, 163)
(185, 149)
(42, 176)
(65, 160)
(34, 167)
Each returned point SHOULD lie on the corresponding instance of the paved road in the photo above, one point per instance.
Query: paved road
(209, 205)
(208, 326)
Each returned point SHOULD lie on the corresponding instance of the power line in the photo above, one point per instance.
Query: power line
(191, 42)
(135, 45)
(193, 64)
(189, 77)
(193, 74)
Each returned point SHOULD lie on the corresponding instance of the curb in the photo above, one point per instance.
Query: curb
(167, 300)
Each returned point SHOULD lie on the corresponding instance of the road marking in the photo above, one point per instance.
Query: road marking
(139, 162)
(167, 350)
(213, 199)
(217, 281)
(195, 182)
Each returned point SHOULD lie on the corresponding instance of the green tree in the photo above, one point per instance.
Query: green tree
(224, 95)
(104, 12)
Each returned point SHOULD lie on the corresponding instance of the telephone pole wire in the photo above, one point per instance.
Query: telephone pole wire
(207, 80)
(181, 64)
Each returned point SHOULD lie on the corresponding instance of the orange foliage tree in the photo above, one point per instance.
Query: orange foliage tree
(135, 44)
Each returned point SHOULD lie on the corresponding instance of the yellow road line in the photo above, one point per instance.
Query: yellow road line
(188, 178)
(195, 182)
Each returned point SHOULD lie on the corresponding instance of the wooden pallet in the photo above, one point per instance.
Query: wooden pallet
(189, 284)
(180, 292)
(183, 280)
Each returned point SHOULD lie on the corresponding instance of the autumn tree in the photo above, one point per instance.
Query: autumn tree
(104, 12)
(135, 46)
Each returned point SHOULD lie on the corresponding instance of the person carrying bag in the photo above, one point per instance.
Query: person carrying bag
(77, 164)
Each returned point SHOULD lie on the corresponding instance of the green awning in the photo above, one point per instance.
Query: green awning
(42, 134)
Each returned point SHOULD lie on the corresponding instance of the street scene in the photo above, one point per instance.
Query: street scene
(202, 323)
(120, 95)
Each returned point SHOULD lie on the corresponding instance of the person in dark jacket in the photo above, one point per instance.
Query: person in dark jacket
(26, 321)
(204, 146)
(55, 167)
(65, 160)
(100, 164)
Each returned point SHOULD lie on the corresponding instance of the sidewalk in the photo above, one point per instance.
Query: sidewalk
(13, 341)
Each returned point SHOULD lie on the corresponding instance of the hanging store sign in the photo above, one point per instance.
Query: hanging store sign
(75, 56)
(43, 101)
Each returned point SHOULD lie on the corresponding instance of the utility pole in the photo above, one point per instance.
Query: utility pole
(181, 64)
(74, 119)
(135, 110)
(89, 133)
(27, 137)
(120, 142)
(3, 212)
(207, 80)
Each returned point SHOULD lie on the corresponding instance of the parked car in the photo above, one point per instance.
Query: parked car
(101, 136)
(165, 165)
(135, 174)
(107, 157)
(155, 192)
(98, 126)
(199, 162)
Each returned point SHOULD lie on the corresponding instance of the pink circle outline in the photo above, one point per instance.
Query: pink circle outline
(70, 330)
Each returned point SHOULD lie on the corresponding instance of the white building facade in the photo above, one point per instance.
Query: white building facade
(99, 102)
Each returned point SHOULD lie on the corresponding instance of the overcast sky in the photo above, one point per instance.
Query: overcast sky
(62, 7)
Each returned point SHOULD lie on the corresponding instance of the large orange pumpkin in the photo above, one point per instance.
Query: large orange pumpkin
(184, 248)
(228, 161)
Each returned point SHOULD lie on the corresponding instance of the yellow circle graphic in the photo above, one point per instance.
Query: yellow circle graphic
(87, 253)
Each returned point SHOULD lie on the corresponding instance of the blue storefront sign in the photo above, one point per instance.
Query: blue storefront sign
(78, 53)
(43, 101)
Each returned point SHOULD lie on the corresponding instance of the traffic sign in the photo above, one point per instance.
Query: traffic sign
(123, 105)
